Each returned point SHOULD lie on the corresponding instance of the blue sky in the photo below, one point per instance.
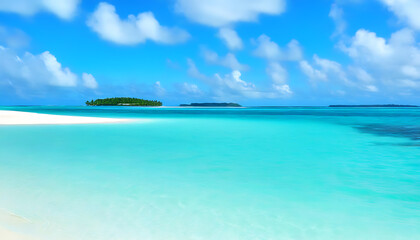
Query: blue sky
(265, 52)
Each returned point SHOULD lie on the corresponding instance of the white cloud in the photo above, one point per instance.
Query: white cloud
(270, 50)
(408, 83)
(311, 72)
(326, 70)
(230, 38)
(61, 76)
(232, 85)
(223, 88)
(370, 88)
(64, 9)
(13, 38)
(277, 73)
(89, 81)
(327, 65)
(368, 47)
(228, 61)
(34, 70)
(336, 14)
(400, 49)
(219, 13)
(133, 30)
(361, 74)
(331, 67)
(193, 70)
(389, 60)
(159, 90)
(189, 89)
(406, 10)
(283, 89)
(381, 63)
(410, 71)
(279, 78)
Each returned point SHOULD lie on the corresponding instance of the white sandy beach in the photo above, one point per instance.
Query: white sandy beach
(27, 118)
(15, 220)
(9, 235)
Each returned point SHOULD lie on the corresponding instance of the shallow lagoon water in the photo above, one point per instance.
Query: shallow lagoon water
(210, 174)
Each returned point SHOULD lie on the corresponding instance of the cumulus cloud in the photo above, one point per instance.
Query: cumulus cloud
(282, 89)
(361, 74)
(277, 73)
(394, 61)
(311, 72)
(323, 70)
(228, 61)
(219, 13)
(367, 47)
(189, 89)
(64, 9)
(60, 76)
(405, 10)
(89, 81)
(332, 68)
(35, 71)
(133, 30)
(230, 38)
(224, 87)
(231, 86)
(270, 50)
(279, 78)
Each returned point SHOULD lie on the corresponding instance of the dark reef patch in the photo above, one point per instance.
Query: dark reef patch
(405, 144)
(411, 132)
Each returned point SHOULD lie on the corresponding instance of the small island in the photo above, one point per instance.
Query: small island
(375, 105)
(124, 101)
(211, 105)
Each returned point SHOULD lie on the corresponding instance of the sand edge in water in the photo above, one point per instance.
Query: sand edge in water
(7, 219)
(9, 235)
(28, 118)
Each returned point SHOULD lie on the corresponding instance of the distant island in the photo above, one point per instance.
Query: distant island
(211, 105)
(123, 101)
(375, 105)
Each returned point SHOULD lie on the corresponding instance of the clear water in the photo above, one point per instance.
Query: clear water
(212, 174)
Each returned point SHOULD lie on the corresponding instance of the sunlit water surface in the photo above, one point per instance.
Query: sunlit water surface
(213, 174)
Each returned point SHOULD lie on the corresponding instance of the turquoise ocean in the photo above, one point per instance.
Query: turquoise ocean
(257, 173)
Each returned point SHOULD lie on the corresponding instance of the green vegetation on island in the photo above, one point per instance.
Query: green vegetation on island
(123, 101)
(211, 105)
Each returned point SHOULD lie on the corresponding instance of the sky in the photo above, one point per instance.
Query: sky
(254, 52)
